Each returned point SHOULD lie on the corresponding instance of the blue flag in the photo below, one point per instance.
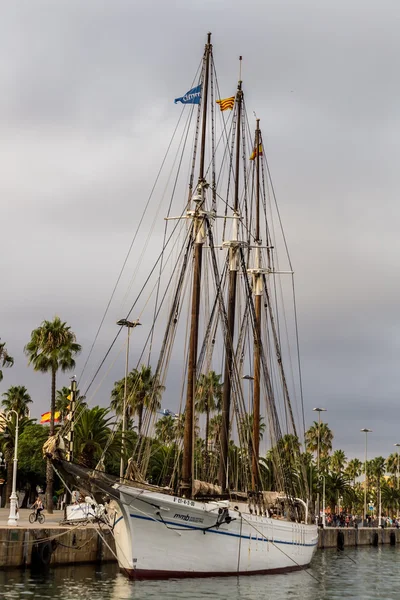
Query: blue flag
(191, 97)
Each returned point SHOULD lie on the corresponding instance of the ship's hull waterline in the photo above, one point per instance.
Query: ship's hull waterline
(162, 536)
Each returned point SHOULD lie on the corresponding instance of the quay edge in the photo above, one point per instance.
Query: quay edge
(24, 547)
(351, 537)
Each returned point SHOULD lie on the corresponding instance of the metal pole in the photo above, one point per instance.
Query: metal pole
(122, 466)
(380, 507)
(319, 411)
(323, 503)
(365, 474)
(12, 518)
(319, 429)
(366, 431)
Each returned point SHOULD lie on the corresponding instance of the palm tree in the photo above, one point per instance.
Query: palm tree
(63, 400)
(5, 359)
(92, 436)
(390, 497)
(17, 398)
(354, 469)
(338, 462)
(392, 464)
(325, 438)
(165, 429)
(52, 347)
(377, 470)
(338, 485)
(143, 391)
(215, 430)
(246, 432)
(208, 399)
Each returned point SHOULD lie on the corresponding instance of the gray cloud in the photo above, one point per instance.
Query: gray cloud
(86, 113)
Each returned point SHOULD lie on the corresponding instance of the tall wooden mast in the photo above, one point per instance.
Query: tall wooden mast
(233, 246)
(257, 289)
(198, 233)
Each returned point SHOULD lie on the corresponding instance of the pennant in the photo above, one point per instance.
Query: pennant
(45, 418)
(191, 97)
(226, 103)
(254, 153)
(69, 397)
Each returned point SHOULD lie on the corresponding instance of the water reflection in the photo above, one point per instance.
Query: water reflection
(364, 574)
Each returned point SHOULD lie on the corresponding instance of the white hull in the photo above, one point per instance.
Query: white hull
(160, 536)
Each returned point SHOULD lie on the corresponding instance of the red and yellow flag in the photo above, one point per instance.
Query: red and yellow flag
(226, 103)
(47, 416)
(254, 153)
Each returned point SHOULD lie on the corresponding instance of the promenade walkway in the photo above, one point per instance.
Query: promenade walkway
(51, 521)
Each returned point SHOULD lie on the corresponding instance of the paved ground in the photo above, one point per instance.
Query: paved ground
(50, 520)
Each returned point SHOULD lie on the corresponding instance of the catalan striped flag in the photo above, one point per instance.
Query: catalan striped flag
(254, 153)
(226, 103)
(45, 418)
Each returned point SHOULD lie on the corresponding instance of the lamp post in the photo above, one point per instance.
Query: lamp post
(366, 431)
(12, 517)
(319, 411)
(397, 445)
(2, 465)
(130, 325)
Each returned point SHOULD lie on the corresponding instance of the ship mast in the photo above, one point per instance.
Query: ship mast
(233, 246)
(257, 289)
(198, 235)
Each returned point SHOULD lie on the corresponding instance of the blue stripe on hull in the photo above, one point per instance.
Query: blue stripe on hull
(237, 535)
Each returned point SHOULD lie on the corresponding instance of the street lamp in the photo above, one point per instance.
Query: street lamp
(397, 466)
(12, 517)
(366, 431)
(130, 325)
(319, 411)
(2, 466)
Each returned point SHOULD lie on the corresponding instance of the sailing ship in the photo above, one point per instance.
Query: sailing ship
(223, 285)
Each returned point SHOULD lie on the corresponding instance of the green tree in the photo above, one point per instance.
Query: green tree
(338, 486)
(17, 398)
(52, 347)
(165, 429)
(31, 466)
(7, 440)
(338, 462)
(143, 391)
(5, 359)
(93, 435)
(377, 471)
(246, 432)
(392, 464)
(208, 399)
(215, 430)
(325, 439)
(354, 469)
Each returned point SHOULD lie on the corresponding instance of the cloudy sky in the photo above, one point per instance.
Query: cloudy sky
(86, 112)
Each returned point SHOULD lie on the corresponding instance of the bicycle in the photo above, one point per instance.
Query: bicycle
(39, 518)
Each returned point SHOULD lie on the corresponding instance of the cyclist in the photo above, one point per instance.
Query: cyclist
(38, 506)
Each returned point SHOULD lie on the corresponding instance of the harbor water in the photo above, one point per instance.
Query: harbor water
(360, 574)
